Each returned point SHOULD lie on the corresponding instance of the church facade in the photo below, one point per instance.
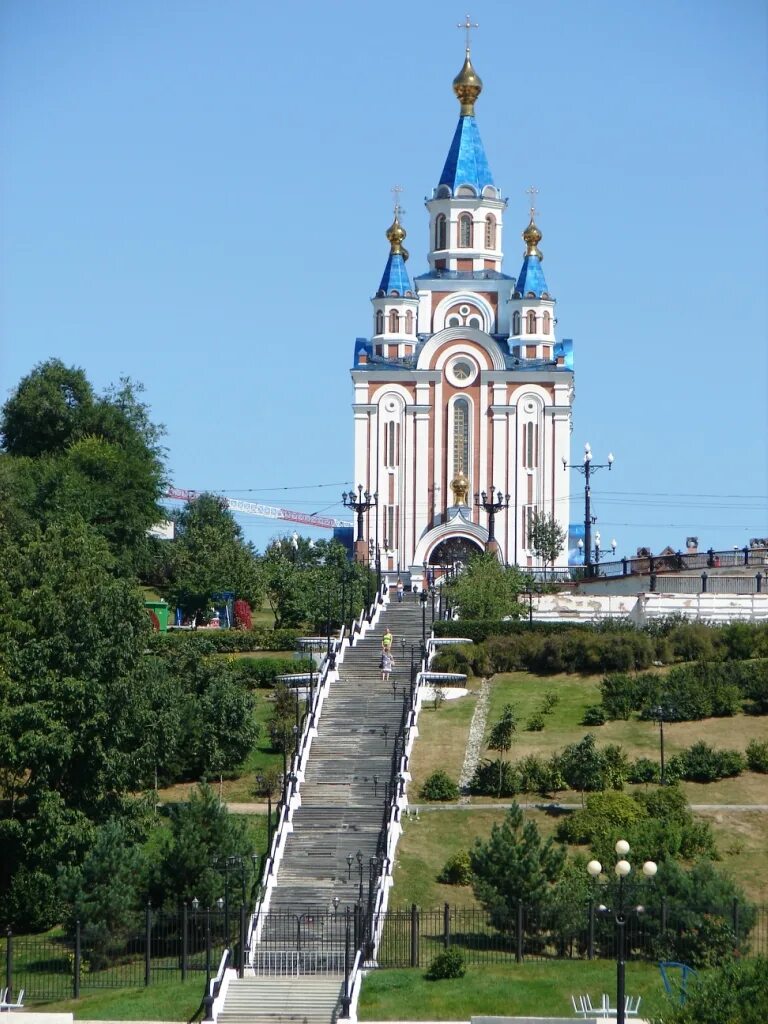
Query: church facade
(463, 390)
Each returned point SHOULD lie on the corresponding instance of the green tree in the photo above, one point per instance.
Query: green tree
(513, 864)
(105, 892)
(502, 736)
(486, 589)
(583, 766)
(201, 833)
(209, 555)
(737, 993)
(73, 452)
(546, 537)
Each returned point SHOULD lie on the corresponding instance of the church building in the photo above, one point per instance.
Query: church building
(462, 395)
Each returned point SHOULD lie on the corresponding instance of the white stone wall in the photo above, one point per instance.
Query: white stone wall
(642, 608)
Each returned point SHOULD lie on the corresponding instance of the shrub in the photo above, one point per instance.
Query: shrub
(549, 702)
(495, 778)
(644, 770)
(457, 870)
(593, 715)
(243, 614)
(702, 763)
(710, 943)
(535, 723)
(738, 991)
(448, 964)
(263, 672)
(222, 641)
(757, 756)
(533, 774)
(439, 786)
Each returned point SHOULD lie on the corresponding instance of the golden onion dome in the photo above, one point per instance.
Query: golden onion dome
(532, 237)
(467, 85)
(395, 235)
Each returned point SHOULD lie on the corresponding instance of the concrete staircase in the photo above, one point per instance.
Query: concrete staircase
(279, 1000)
(299, 962)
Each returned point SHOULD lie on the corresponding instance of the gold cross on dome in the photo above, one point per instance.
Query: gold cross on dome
(396, 190)
(532, 191)
(468, 25)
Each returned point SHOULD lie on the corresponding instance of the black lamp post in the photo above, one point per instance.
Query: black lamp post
(586, 469)
(492, 506)
(660, 713)
(359, 504)
(619, 912)
(359, 859)
(423, 598)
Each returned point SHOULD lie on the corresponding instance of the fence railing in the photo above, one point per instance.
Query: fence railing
(646, 565)
(160, 948)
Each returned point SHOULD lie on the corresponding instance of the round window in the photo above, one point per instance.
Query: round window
(461, 371)
(464, 310)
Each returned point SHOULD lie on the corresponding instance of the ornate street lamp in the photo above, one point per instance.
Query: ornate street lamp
(492, 506)
(359, 503)
(622, 869)
(587, 469)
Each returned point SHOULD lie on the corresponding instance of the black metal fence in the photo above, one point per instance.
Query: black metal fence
(412, 937)
(162, 947)
(650, 565)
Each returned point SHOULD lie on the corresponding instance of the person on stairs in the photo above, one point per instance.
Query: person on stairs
(400, 588)
(386, 664)
(386, 641)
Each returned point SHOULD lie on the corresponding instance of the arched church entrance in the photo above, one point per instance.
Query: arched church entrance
(454, 549)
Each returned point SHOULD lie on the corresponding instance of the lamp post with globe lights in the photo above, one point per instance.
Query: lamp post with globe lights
(587, 468)
(622, 869)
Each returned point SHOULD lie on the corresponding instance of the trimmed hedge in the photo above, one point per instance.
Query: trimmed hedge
(223, 641)
(688, 692)
(258, 673)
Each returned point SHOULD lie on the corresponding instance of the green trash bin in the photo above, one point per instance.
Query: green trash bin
(160, 609)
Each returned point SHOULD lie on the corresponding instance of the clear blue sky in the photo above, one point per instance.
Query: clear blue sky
(195, 194)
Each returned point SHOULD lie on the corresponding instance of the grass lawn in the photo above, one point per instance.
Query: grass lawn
(174, 1001)
(442, 738)
(539, 989)
(742, 839)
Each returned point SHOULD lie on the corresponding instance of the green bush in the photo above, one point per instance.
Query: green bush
(702, 763)
(263, 672)
(757, 756)
(455, 658)
(737, 993)
(644, 770)
(594, 715)
(223, 641)
(439, 786)
(457, 870)
(495, 778)
(448, 964)
(535, 723)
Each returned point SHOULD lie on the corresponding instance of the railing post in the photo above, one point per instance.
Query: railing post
(591, 930)
(9, 964)
(345, 999)
(184, 941)
(624, 564)
(446, 925)
(414, 936)
(241, 951)
(148, 945)
(746, 555)
(711, 558)
(519, 933)
(704, 579)
(653, 582)
(758, 583)
(651, 564)
(77, 963)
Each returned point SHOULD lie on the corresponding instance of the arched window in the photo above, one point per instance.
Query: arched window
(490, 232)
(394, 321)
(409, 322)
(475, 321)
(379, 322)
(465, 231)
(516, 322)
(453, 321)
(461, 437)
(530, 445)
(546, 322)
(440, 232)
(530, 322)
